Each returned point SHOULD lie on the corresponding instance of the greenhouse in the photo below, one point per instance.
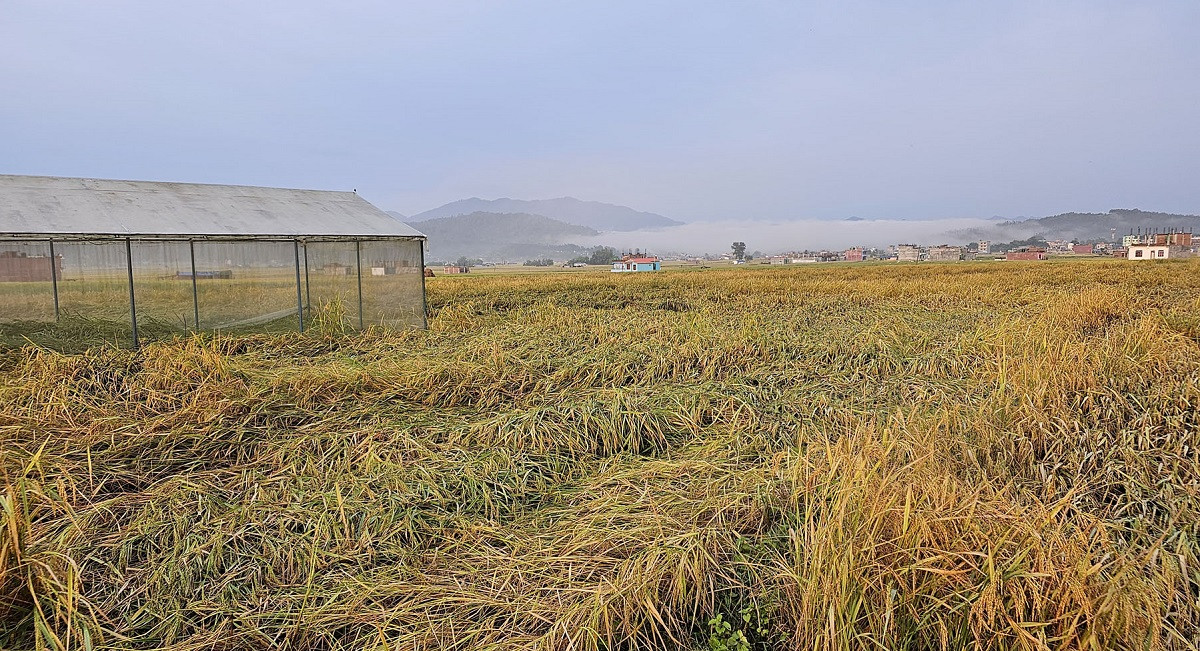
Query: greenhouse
(136, 257)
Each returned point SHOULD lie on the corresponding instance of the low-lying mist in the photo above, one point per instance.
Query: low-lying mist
(776, 237)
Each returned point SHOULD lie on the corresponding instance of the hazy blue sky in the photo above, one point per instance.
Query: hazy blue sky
(697, 110)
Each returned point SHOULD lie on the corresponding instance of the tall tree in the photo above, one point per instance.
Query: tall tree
(739, 250)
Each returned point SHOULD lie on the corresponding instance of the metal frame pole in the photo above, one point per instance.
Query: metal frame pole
(307, 281)
(358, 266)
(132, 300)
(54, 278)
(424, 300)
(195, 291)
(299, 289)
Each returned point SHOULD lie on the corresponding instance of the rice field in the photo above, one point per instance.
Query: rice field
(94, 308)
(937, 456)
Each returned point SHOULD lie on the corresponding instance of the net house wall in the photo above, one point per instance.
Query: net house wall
(149, 257)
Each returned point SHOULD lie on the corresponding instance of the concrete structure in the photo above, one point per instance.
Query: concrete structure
(854, 255)
(1157, 252)
(281, 252)
(631, 263)
(944, 253)
(20, 267)
(454, 269)
(985, 247)
(1159, 246)
(908, 252)
(1083, 249)
(1026, 253)
(220, 274)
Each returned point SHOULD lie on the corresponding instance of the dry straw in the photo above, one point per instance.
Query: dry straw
(987, 455)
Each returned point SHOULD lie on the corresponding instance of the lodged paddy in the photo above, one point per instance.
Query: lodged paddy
(935, 456)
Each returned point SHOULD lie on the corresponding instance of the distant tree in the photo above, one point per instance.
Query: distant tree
(603, 255)
(541, 262)
(1036, 240)
(739, 250)
(464, 261)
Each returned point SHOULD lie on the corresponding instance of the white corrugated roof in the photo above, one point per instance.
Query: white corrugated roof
(55, 205)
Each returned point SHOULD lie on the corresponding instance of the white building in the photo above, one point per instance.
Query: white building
(1156, 252)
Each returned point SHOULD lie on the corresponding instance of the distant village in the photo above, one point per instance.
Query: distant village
(1151, 245)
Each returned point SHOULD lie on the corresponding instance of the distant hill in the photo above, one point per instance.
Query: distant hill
(499, 237)
(396, 215)
(591, 214)
(1086, 227)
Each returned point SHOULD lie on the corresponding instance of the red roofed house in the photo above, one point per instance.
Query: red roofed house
(636, 263)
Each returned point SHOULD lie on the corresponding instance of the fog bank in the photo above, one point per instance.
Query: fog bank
(777, 237)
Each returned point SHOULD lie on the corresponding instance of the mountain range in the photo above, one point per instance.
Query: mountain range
(590, 214)
(1085, 227)
(501, 237)
(512, 230)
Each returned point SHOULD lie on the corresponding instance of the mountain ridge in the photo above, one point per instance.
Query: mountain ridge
(1084, 226)
(596, 215)
(500, 237)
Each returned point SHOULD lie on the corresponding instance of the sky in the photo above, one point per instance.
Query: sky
(726, 112)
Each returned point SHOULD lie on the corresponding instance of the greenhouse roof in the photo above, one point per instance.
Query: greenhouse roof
(49, 206)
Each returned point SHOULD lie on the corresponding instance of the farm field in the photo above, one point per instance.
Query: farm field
(936, 456)
(95, 307)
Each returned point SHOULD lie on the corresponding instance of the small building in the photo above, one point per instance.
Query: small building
(1174, 238)
(1159, 246)
(908, 252)
(216, 274)
(854, 254)
(20, 267)
(1157, 252)
(945, 253)
(636, 263)
(455, 269)
(1083, 249)
(1026, 253)
(985, 247)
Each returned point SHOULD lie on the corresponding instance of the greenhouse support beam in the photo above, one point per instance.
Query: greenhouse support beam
(132, 301)
(195, 292)
(299, 289)
(307, 282)
(358, 266)
(424, 300)
(54, 278)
